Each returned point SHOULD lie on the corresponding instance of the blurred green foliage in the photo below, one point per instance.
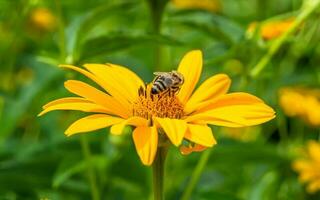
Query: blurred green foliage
(38, 162)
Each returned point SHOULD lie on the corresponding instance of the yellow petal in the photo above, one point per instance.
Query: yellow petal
(85, 73)
(190, 67)
(92, 123)
(239, 109)
(174, 128)
(233, 122)
(219, 118)
(301, 165)
(117, 81)
(313, 186)
(245, 115)
(200, 134)
(307, 170)
(117, 129)
(309, 174)
(102, 81)
(66, 100)
(186, 150)
(209, 5)
(80, 106)
(314, 151)
(212, 88)
(84, 90)
(132, 81)
(236, 98)
(146, 142)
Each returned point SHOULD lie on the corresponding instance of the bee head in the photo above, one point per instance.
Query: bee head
(154, 91)
(178, 77)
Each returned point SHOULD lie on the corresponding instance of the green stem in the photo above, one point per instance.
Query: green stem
(297, 128)
(61, 32)
(1, 107)
(282, 124)
(196, 175)
(156, 11)
(91, 174)
(308, 7)
(158, 173)
(318, 75)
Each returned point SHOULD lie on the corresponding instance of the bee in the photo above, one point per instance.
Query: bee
(166, 82)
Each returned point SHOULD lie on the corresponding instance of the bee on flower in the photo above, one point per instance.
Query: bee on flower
(179, 117)
(167, 82)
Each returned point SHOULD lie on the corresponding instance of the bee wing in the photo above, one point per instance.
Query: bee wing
(159, 73)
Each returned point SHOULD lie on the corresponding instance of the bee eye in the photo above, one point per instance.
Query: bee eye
(175, 76)
(154, 91)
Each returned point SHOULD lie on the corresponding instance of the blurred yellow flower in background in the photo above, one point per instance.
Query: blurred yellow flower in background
(309, 167)
(43, 19)
(301, 102)
(209, 5)
(270, 29)
(163, 117)
(245, 134)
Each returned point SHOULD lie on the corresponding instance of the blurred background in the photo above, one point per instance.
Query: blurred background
(268, 48)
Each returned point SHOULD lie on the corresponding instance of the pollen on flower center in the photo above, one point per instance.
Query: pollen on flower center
(162, 105)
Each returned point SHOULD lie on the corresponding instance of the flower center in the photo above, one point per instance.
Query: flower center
(165, 104)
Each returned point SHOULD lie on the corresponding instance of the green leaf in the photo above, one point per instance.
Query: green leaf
(233, 152)
(216, 195)
(266, 188)
(15, 108)
(78, 30)
(218, 27)
(107, 44)
(70, 167)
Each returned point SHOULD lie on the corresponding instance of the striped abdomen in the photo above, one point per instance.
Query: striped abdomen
(161, 84)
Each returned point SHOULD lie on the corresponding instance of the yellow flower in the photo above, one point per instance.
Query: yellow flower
(43, 19)
(244, 134)
(271, 29)
(209, 5)
(175, 117)
(309, 167)
(299, 102)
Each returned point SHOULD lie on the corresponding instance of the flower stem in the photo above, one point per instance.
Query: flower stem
(196, 174)
(308, 7)
(158, 173)
(91, 174)
(61, 31)
(156, 12)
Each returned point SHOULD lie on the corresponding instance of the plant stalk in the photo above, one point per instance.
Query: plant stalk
(158, 173)
(61, 32)
(196, 174)
(156, 13)
(91, 174)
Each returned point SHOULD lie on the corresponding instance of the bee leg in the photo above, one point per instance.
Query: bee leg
(177, 91)
(163, 94)
(141, 91)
